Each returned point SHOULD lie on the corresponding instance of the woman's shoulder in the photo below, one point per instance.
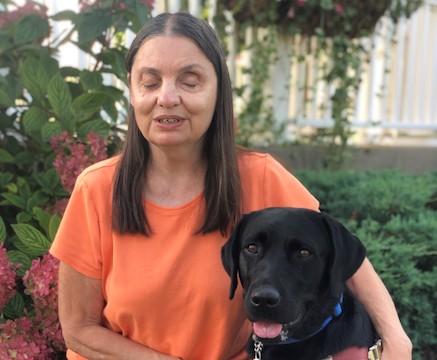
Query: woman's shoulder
(249, 160)
(267, 183)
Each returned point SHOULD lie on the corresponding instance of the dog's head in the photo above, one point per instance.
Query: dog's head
(288, 261)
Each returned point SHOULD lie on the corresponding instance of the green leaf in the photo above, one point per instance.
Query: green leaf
(51, 129)
(14, 86)
(92, 26)
(12, 187)
(7, 120)
(68, 71)
(51, 66)
(23, 188)
(42, 181)
(138, 14)
(14, 200)
(5, 42)
(6, 157)
(99, 126)
(59, 96)
(48, 180)
(19, 258)
(65, 15)
(55, 221)
(25, 158)
(34, 201)
(14, 308)
(6, 99)
(91, 80)
(110, 109)
(115, 58)
(24, 217)
(61, 100)
(5, 178)
(114, 96)
(30, 240)
(3, 233)
(29, 28)
(43, 218)
(35, 77)
(86, 105)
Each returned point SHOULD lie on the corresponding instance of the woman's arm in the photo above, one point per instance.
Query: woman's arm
(80, 314)
(372, 293)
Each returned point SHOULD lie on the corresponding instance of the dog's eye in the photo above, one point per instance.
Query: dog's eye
(304, 253)
(252, 248)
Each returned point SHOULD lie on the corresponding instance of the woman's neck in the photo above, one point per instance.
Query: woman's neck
(174, 180)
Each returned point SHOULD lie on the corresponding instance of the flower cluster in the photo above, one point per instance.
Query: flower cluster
(41, 282)
(37, 336)
(20, 340)
(7, 277)
(72, 155)
(12, 17)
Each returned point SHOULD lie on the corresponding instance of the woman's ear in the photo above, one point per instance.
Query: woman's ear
(129, 78)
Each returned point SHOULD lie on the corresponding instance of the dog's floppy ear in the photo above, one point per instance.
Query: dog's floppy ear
(231, 255)
(348, 254)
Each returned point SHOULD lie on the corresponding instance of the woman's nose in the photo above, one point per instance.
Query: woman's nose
(168, 96)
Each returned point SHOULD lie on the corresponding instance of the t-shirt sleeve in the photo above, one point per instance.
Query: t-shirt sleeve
(77, 241)
(281, 188)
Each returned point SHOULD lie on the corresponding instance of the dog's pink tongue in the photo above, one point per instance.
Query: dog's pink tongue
(266, 330)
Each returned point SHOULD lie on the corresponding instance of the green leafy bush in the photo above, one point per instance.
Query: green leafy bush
(395, 215)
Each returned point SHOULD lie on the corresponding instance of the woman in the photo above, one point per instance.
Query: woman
(141, 275)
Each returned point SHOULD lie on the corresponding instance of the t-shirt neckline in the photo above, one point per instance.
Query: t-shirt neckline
(174, 209)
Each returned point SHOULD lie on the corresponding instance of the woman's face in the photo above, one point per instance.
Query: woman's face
(173, 89)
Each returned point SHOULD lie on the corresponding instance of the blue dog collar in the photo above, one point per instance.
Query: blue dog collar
(337, 312)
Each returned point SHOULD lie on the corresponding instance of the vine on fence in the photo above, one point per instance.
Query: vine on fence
(338, 26)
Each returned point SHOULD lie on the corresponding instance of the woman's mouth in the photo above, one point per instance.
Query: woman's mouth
(168, 121)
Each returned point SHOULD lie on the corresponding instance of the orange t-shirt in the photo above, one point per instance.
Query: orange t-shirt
(168, 291)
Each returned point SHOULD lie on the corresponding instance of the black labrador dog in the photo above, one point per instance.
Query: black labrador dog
(293, 264)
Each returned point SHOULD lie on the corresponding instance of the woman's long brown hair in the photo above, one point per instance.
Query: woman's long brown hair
(222, 181)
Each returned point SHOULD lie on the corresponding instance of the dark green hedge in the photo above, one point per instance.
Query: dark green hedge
(395, 215)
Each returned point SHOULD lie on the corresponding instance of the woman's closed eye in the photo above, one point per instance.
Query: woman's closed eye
(189, 85)
(150, 86)
(190, 80)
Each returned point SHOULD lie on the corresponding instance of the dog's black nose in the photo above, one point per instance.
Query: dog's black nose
(265, 297)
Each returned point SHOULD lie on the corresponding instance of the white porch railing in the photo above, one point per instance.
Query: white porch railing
(399, 83)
